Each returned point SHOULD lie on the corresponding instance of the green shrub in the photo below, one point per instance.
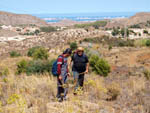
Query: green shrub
(48, 29)
(34, 66)
(110, 47)
(14, 54)
(145, 31)
(96, 24)
(22, 66)
(115, 32)
(141, 42)
(73, 45)
(36, 31)
(135, 26)
(148, 43)
(99, 65)
(129, 43)
(32, 50)
(124, 31)
(39, 67)
(40, 53)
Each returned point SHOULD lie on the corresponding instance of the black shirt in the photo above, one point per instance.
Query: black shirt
(79, 63)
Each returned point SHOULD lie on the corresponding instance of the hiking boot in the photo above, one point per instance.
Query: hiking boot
(60, 99)
(65, 98)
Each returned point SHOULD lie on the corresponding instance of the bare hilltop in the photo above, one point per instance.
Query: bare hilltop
(139, 18)
(7, 18)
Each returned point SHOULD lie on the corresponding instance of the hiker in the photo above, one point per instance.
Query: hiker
(79, 68)
(63, 73)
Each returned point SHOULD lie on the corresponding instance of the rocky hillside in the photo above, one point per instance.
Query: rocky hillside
(136, 19)
(19, 19)
(139, 18)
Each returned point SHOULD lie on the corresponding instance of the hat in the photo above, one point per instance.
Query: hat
(80, 49)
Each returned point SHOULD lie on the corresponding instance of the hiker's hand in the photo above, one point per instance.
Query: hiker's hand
(68, 74)
(60, 77)
(86, 72)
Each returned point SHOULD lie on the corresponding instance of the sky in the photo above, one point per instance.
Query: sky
(73, 6)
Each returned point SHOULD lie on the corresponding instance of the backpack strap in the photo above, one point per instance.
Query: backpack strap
(62, 58)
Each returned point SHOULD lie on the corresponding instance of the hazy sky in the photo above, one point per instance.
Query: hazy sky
(73, 6)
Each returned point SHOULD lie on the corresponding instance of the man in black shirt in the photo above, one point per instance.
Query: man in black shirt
(80, 67)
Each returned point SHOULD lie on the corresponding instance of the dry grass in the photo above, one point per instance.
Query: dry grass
(36, 94)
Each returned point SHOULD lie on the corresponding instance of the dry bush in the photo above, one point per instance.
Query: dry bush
(114, 91)
(24, 93)
(95, 88)
(136, 84)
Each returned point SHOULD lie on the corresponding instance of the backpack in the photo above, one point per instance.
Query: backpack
(54, 67)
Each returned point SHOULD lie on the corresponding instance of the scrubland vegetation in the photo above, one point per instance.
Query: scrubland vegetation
(27, 85)
(96, 24)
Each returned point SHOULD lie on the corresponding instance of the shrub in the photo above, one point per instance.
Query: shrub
(147, 74)
(48, 29)
(73, 45)
(148, 43)
(99, 65)
(124, 31)
(110, 47)
(40, 53)
(22, 66)
(36, 31)
(4, 71)
(145, 31)
(115, 32)
(32, 50)
(14, 54)
(129, 43)
(34, 66)
(135, 26)
(18, 29)
(114, 91)
(39, 67)
(96, 24)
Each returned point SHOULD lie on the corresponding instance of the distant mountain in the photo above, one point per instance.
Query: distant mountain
(7, 18)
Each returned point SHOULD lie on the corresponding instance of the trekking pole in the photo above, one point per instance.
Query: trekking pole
(82, 73)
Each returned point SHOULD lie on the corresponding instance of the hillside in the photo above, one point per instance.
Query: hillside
(139, 18)
(7, 18)
(136, 19)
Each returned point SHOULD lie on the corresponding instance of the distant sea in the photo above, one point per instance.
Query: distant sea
(84, 17)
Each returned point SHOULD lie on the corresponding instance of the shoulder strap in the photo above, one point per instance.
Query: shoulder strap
(62, 58)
